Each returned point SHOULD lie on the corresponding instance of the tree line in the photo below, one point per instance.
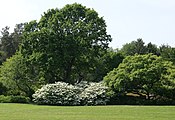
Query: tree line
(71, 45)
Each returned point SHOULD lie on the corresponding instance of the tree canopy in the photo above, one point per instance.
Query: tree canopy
(68, 40)
(147, 75)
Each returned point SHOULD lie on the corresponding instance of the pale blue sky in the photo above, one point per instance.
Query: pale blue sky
(127, 20)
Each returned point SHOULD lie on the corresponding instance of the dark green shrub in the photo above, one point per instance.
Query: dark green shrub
(5, 99)
(14, 99)
(20, 99)
(132, 100)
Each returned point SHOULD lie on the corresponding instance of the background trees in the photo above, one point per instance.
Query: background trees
(139, 47)
(167, 53)
(10, 41)
(110, 60)
(134, 47)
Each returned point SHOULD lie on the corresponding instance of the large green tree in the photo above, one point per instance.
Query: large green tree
(68, 40)
(147, 75)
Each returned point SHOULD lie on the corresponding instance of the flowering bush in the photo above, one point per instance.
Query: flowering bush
(59, 93)
(62, 93)
(94, 94)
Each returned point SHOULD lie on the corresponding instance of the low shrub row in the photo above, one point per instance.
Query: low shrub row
(14, 99)
(131, 100)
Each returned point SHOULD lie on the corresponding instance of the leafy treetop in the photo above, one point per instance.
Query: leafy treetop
(68, 40)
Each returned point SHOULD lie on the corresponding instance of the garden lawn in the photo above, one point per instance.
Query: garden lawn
(35, 112)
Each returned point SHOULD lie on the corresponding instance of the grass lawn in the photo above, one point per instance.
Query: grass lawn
(35, 112)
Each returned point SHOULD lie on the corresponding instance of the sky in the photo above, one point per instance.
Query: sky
(126, 20)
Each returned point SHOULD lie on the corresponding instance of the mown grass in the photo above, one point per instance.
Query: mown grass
(35, 112)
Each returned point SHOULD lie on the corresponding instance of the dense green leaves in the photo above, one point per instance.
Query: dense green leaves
(18, 76)
(145, 75)
(68, 40)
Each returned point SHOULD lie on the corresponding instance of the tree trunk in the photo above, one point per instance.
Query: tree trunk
(148, 96)
(68, 70)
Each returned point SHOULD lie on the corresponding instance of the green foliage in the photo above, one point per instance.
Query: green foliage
(15, 76)
(7, 73)
(145, 75)
(62, 93)
(68, 40)
(14, 99)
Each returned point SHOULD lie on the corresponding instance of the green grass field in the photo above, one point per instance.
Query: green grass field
(34, 112)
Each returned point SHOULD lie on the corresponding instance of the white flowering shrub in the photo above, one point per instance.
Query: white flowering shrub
(94, 94)
(62, 93)
(59, 93)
